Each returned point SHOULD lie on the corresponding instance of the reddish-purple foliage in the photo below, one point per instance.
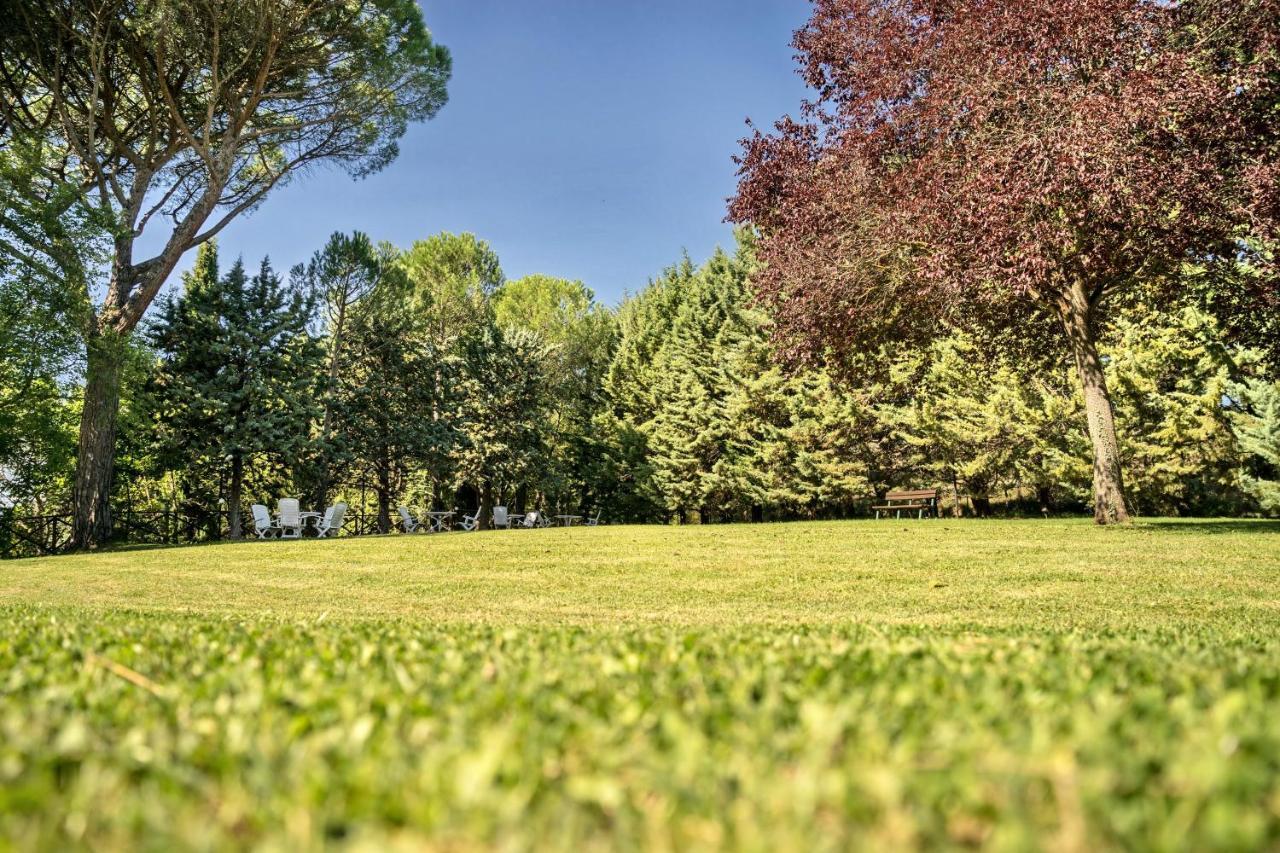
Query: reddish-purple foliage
(987, 153)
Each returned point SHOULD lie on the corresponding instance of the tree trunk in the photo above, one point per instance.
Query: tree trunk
(95, 462)
(1108, 482)
(233, 496)
(383, 490)
(1044, 497)
(485, 521)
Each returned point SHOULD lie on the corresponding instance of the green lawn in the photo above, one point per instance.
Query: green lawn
(1012, 685)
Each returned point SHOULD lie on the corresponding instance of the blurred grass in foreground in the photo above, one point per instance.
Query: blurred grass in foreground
(1011, 685)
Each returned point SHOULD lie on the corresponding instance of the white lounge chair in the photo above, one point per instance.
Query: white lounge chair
(331, 523)
(289, 518)
(262, 523)
(472, 521)
(594, 522)
(408, 522)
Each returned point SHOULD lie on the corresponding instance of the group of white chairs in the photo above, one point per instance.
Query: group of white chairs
(290, 520)
(502, 520)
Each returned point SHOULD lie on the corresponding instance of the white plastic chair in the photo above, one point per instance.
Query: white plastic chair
(290, 518)
(262, 523)
(500, 518)
(410, 524)
(471, 522)
(331, 524)
(532, 519)
(594, 522)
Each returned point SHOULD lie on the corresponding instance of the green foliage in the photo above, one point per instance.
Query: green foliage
(1169, 380)
(388, 415)
(443, 385)
(237, 375)
(342, 277)
(645, 323)
(1256, 419)
(51, 246)
(974, 420)
(38, 406)
(649, 688)
(578, 334)
(1237, 290)
(191, 113)
(450, 278)
(503, 411)
(712, 424)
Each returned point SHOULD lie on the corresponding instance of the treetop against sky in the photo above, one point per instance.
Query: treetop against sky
(586, 140)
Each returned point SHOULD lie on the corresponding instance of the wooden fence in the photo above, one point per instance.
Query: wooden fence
(45, 535)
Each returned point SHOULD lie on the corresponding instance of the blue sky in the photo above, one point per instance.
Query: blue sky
(589, 139)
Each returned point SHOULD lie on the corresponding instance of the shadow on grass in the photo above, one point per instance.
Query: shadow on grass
(1214, 525)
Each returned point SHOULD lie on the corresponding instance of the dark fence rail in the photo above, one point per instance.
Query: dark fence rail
(45, 535)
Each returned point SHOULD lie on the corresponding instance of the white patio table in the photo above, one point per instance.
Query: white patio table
(310, 519)
(440, 520)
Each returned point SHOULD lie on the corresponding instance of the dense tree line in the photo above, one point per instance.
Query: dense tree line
(383, 376)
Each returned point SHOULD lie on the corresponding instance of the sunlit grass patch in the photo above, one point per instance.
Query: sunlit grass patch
(793, 687)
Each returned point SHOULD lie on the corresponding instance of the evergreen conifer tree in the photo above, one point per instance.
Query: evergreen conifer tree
(237, 374)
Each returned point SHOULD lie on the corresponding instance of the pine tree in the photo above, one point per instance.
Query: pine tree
(502, 410)
(1170, 377)
(965, 418)
(630, 385)
(237, 375)
(1256, 418)
(579, 334)
(381, 404)
(689, 429)
(339, 276)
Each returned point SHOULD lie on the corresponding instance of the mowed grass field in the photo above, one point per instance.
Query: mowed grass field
(826, 686)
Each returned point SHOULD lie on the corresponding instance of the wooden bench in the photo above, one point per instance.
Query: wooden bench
(921, 501)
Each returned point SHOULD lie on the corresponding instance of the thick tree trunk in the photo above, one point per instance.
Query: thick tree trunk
(233, 496)
(1108, 482)
(95, 462)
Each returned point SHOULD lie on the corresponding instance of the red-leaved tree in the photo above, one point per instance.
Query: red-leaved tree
(979, 161)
